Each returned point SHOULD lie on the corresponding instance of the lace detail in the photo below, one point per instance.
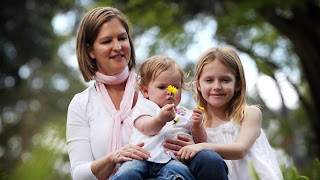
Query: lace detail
(223, 133)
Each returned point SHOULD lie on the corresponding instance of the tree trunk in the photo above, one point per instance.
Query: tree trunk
(303, 31)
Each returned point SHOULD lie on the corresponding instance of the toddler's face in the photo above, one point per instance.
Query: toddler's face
(157, 91)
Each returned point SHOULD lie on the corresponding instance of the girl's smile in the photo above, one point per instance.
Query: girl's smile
(217, 84)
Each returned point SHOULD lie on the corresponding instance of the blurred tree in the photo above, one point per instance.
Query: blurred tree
(35, 85)
(283, 37)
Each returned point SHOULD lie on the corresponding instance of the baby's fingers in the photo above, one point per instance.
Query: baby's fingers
(168, 107)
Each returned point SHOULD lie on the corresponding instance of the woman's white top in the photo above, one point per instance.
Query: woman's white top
(154, 144)
(88, 123)
(260, 157)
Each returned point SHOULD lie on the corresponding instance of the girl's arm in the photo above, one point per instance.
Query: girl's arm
(249, 132)
(149, 125)
(198, 131)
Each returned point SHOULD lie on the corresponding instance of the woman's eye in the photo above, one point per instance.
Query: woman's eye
(106, 42)
(123, 38)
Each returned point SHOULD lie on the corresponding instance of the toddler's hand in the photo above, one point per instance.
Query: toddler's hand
(167, 113)
(196, 118)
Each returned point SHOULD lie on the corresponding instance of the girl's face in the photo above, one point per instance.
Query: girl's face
(157, 91)
(217, 84)
(111, 49)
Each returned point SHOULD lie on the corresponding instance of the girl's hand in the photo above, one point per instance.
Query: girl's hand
(167, 113)
(196, 118)
(129, 152)
(174, 145)
(188, 152)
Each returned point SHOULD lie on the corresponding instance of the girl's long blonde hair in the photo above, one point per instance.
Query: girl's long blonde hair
(225, 54)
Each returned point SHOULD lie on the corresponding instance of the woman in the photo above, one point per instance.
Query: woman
(98, 123)
(95, 117)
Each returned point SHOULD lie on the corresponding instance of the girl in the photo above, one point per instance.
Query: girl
(233, 128)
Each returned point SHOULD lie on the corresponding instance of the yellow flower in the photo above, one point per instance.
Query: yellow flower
(175, 122)
(172, 89)
(200, 107)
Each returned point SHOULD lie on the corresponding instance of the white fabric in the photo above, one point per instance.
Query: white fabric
(87, 132)
(260, 156)
(154, 144)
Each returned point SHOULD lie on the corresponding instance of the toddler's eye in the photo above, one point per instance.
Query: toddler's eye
(162, 87)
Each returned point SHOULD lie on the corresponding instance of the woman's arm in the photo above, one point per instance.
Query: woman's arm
(103, 167)
(83, 164)
(249, 132)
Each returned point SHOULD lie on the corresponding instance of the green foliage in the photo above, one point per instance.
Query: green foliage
(291, 173)
(47, 158)
(35, 85)
(255, 174)
(316, 169)
(3, 176)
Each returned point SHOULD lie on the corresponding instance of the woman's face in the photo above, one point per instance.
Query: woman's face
(111, 48)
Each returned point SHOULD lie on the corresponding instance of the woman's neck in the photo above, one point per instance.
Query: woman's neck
(116, 87)
(116, 93)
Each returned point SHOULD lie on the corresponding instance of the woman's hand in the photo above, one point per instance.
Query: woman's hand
(174, 145)
(129, 152)
(102, 168)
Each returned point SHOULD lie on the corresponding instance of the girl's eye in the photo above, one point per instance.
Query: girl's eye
(208, 80)
(162, 87)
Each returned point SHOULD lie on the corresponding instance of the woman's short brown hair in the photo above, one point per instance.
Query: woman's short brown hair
(88, 31)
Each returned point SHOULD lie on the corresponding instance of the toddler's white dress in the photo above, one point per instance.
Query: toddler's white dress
(154, 144)
(260, 157)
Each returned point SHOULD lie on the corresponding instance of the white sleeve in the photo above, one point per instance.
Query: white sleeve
(144, 107)
(79, 147)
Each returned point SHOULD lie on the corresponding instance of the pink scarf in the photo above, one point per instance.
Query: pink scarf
(119, 117)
